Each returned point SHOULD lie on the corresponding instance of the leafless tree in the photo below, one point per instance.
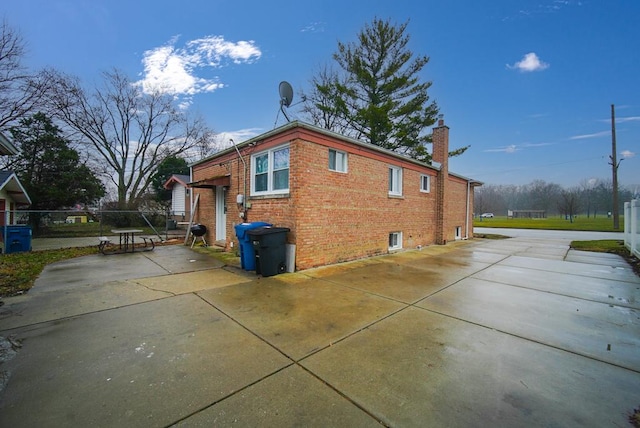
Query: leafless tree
(323, 106)
(128, 130)
(569, 203)
(542, 195)
(21, 91)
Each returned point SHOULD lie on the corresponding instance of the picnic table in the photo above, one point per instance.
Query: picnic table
(126, 242)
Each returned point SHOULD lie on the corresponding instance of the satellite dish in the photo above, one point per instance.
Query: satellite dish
(286, 96)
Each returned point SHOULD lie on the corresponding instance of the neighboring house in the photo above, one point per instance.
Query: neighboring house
(342, 199)
(6, 146)
(12, 195)
(180, 196)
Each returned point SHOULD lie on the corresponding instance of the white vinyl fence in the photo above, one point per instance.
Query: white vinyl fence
(632, 226)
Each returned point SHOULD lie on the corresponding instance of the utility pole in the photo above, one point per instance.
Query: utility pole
(614, 166)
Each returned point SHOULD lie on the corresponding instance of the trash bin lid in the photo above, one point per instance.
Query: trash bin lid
(243, 228)
(267, 230)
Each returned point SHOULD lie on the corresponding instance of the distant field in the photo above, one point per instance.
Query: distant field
(600, 224)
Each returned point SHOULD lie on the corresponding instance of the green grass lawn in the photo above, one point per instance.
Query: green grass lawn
(18, 271)
(77, 230)
(599, 224)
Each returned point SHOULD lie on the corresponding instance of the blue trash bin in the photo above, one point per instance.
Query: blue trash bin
(247, 253)
(16, 238)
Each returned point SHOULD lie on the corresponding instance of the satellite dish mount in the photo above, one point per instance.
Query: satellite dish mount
(286, 96)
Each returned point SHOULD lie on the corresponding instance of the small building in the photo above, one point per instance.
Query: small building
(180, 196)
(527, 214)
(341, 198)
(12, 196)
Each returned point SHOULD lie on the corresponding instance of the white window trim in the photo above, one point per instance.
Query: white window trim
(269, 190)
(399, 246)
(346, 161)
(458, 232)
(397, 192)
(428, 189)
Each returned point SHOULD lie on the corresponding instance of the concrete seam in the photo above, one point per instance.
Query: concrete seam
(533, 341)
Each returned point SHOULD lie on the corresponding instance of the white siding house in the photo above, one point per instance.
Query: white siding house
(180, 196)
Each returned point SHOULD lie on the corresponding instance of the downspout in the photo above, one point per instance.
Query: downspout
(191, 192)
(244, 181)
(466, 219)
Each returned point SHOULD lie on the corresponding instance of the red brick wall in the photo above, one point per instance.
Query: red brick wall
(335, 216)
(348, 216)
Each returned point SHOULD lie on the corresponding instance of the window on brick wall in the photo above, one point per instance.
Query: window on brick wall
(425, 183)
(337, 161)
(395, 240)
(395, 181)
(458, 232)
(270, 171)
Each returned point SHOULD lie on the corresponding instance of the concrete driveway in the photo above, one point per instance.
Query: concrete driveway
(517, 332)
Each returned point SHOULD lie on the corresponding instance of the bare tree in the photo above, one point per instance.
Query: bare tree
(130, 131)
(21, 91)
(323, 105)
(569, 203)
(541, 195)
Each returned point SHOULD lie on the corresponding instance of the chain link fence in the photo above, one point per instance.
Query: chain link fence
(66, 229)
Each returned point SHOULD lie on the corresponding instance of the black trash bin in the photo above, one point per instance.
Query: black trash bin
(270, 245)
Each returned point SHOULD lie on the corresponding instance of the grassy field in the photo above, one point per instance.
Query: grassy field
(598, 224)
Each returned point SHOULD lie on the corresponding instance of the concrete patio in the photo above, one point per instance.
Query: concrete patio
(517, 332)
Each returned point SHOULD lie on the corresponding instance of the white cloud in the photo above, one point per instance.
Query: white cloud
(530, 62)
(622, 119)
(596, 135)
(628, 119)
(626, 154)
(174, 70)
(224, 138)
(313, 27)
(508, 149)
(512, 148)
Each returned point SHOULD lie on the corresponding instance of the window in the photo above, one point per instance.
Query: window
(395, 181)
(270, 171)
(395, 240)
(458, 232)
(425, 183)
(337, 161)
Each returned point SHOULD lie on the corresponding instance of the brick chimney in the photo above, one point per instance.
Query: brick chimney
(440, 140)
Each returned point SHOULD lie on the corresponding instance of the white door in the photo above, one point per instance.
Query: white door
(221, 214)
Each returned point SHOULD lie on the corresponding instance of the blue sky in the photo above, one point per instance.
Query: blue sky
(528, 84)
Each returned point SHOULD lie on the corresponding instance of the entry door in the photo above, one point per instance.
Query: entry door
(221, 214)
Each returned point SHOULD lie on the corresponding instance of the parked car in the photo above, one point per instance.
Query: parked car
(486, 215)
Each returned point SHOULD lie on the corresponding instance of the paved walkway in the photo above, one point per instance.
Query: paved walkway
(517, 332)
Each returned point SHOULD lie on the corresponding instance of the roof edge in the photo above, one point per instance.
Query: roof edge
(298, 124)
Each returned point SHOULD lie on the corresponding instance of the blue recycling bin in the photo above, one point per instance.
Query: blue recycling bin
(16, 238)
(247, 254)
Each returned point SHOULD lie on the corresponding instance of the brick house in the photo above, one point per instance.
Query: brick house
(343, 199)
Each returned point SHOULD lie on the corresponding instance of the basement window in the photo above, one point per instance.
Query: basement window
(458, 232)
(395, 241)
